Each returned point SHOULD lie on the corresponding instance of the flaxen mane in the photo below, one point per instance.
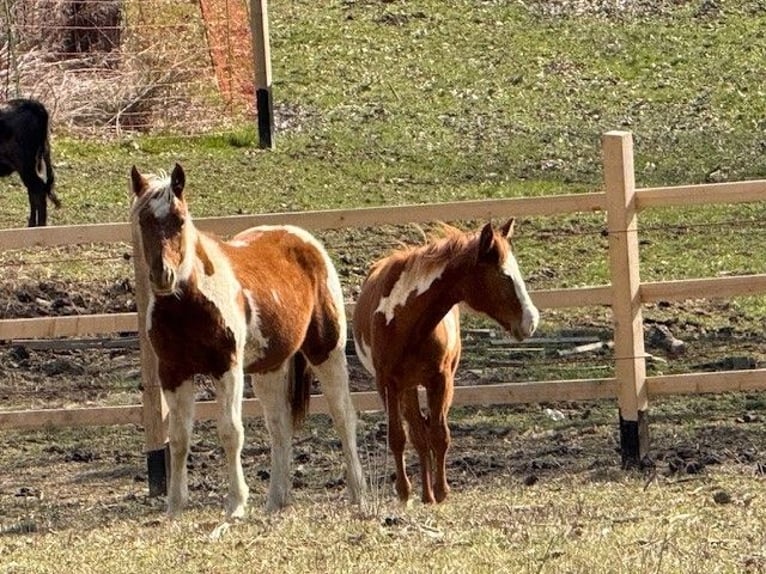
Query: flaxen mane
(443, 245)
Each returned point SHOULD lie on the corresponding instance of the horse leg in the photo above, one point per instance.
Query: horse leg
(38, 206)
(333, 376)
(271, 390)
(229, 391)
(181, 419)
(439, 400)
(418, 433)
(396, 442)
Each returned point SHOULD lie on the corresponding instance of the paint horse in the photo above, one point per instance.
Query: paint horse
(407, 334)
(253, 304)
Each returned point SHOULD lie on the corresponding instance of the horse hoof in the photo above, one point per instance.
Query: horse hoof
(275, 508)
(441, 495)
(276, 504)
(175, 507)
(236, 513)
(235, 509)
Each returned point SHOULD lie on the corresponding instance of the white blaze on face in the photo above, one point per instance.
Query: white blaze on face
(407, 284)
(160, 206)
(530, 315)
(162, 197)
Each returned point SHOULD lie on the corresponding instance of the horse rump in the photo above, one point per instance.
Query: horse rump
(25, 148)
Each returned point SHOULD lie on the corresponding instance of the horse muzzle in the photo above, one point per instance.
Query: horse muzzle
(530, 318)
(163, 282)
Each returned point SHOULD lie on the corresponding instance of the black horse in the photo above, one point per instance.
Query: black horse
(25, 148)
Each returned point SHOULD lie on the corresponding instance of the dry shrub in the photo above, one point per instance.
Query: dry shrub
(101, 68)
(69, 28)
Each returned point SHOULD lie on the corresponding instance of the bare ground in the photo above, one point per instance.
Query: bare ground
(49, 476)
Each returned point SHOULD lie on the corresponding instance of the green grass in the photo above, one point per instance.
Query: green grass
(400, 102)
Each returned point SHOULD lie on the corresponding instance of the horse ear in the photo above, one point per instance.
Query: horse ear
(178, 181)
(507, 229)
(137, 182)
(487, 243)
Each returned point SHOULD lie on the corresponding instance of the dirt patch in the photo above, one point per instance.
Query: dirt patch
(619, 9)
(56, 298)
(529, 444)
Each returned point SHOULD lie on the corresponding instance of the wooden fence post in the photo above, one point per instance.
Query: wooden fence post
(264, 106)
(630, 365)
(155, 410)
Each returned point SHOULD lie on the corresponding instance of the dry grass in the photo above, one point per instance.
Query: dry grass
(568, 524)
(98, 65)
(76, 501)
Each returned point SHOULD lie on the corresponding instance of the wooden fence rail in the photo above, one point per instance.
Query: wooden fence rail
(625, 294)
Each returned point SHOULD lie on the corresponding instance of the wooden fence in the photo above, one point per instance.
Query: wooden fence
(625, 293)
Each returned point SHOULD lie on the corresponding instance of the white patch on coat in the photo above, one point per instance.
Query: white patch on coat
(185, 269)
(333, 282)
(530, 314)
(42, 168)
(221, 288)
(452, 326)
(150, 310)
(257, 344)
(364, 352)
(407, 284)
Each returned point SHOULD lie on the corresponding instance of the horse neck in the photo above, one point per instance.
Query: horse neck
(191, 260)
(449, 289)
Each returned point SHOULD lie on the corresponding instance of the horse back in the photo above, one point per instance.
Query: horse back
(294, 287)
(395, 345)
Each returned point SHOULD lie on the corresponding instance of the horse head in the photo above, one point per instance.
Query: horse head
(162, 218)
(497, 288)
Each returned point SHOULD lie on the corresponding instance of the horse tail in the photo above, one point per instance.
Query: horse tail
(50, 182)
(300, 389)
(44, 165)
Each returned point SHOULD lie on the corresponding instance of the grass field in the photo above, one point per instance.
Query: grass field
(529, 495)
(393, 102)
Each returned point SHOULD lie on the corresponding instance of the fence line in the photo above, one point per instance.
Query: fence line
(366, 401)
(622, 203)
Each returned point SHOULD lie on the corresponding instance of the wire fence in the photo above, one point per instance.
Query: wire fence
(106, 67)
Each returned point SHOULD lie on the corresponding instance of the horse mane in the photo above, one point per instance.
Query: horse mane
(441, 246)
(157, 184)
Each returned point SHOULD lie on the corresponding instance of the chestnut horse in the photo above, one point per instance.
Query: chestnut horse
(407, 334)
(250, 305)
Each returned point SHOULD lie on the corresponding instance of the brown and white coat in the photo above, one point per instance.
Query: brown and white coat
(253, 304)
